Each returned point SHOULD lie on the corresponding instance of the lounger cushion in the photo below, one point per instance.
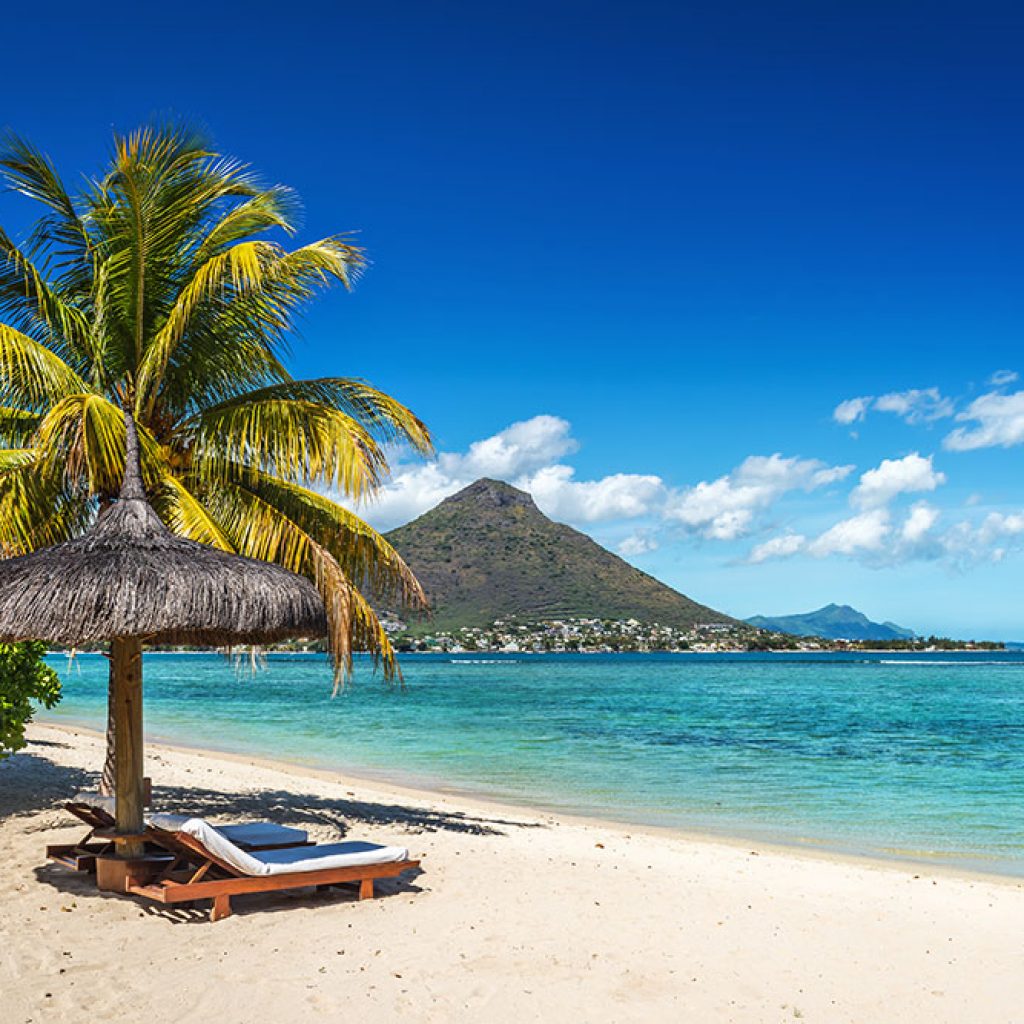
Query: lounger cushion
(248, 833)
(280, 862)
(262, 833)
(329, 855)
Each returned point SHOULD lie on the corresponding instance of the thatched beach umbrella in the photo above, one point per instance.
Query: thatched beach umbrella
(129, 580)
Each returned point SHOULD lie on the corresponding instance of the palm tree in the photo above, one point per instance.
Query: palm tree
(161, 286)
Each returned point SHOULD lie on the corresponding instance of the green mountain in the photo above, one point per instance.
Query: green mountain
(834, 622)
(488, 553)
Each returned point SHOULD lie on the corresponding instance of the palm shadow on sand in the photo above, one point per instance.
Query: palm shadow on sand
(30, 782)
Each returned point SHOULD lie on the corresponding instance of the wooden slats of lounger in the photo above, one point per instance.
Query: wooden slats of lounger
(81, 856)
(170, 891)
(228, 881)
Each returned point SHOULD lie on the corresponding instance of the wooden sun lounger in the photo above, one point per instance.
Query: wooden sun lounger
(81, 856)
(98, 841)
(195, 873)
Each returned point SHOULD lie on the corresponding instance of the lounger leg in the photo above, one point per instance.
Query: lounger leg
(366, 889)
(221, 908)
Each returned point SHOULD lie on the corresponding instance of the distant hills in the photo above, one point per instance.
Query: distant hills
(489, 553)
(834, 622)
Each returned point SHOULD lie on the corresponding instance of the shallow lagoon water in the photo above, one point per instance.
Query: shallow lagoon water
(919, 756)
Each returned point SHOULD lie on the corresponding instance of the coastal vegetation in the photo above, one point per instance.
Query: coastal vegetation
(25, 682)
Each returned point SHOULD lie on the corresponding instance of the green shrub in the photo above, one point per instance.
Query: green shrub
(24, 678)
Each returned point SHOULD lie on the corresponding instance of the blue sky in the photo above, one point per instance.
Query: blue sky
(666, 240)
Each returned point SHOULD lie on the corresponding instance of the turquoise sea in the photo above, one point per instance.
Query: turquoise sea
(918, 756)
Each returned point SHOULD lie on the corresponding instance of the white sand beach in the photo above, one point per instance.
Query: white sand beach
(516, 916)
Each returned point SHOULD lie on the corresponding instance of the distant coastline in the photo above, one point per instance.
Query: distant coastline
(609, 636)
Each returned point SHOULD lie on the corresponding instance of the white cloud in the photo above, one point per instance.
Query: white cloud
(525, 454)
(868, 536)
(852, 410)
(896, 476)
(409, 492)
(999, 421)
(969, 543)
(1001, 378)
(864, 532)
(619, 496)
(532, 455)
(918, 524)
(724, 509)
(778, 547)
(1002, 525)
(517, 449)
(918, 405)
(871, 538)
(638, 543)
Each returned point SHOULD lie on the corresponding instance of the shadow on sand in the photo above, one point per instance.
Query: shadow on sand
(325, 816)
(32, 784)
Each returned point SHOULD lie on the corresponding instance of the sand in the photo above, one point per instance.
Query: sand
(517, 916)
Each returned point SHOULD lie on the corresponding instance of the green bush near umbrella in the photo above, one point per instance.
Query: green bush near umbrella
(25, 680)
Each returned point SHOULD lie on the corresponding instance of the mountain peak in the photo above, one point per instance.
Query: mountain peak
(834, 621)
(489, 553)
(490, 493)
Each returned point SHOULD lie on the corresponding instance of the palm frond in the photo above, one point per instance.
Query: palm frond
(352, 623)
(335, 258)
(83, 437)
(261, 530)
(237, 270)
(378, 415)
(295, 440)
(12, 459)
(369, 562)
(17, 426)
(29, 302)
(184, 514)
(244, 326)
(31, 375)
(271, 208)
(37, 510)
(62, 231)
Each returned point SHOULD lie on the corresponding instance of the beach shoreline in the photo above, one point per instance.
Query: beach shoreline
(517, 915)
(406, 787)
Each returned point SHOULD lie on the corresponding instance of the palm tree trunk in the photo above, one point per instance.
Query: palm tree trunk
(126, 676)
(107, 780)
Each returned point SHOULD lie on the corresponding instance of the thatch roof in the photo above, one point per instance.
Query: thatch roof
(129, 576)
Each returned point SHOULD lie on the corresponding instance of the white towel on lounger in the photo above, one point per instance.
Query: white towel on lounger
(280, 862)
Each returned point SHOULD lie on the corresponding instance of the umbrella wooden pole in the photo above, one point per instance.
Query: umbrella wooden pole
(126, 664)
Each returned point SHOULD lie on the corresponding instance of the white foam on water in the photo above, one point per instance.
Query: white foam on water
(936, 661)
(483, 661)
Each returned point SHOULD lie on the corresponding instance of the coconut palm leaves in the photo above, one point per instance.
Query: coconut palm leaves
(165, 285)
